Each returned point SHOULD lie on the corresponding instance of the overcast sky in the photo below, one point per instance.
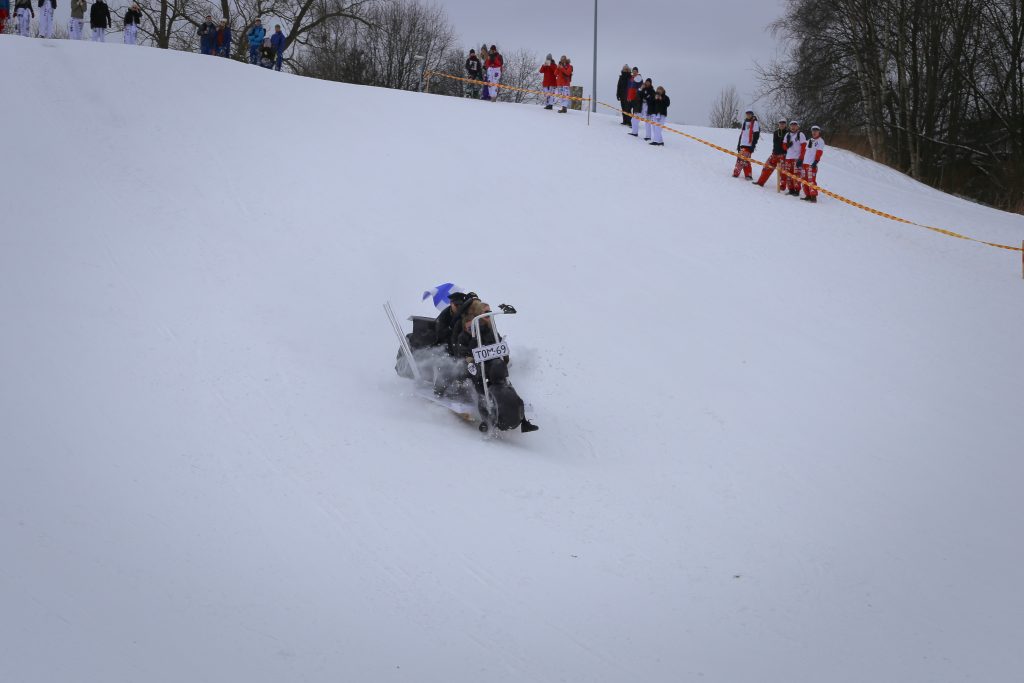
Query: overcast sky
(694, 49)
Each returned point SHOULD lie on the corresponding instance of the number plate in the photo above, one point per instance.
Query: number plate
(486, 353)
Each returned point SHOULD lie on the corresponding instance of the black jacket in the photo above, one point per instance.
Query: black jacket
(623, 86)
(778, 137)
(24, 4)
(658, 106)
(99, 15)
(464, 343)
(207, 29)
(132, 17)
(473, 68)
(53, 3)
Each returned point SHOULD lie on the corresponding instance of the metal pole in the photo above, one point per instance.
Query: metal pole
(593, 87)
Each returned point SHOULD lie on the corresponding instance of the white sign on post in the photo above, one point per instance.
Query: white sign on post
(486, 353)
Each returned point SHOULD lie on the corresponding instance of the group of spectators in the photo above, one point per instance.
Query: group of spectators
(486, 68)
(797, 154)
(99, 19)
(556, 82)
(637, 95)
(215, 39)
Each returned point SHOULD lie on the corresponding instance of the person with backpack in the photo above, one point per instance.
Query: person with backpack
(563, 79)
(474, 72)
(621, 88)
(657, 111)
(277, 42)
(795, 144)
(549, 81)
(494, 64)
(809, 165)
(255, 37)
(46, 8)
(750, 133)
(207, 36)
(99, 19)
(24, 13)
(132, 19)
(222, 41)
(77, 21)
(778, 155)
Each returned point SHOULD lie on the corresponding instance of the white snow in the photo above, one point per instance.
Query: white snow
(779, 442)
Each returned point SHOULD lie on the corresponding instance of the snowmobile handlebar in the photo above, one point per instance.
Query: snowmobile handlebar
(507, 308)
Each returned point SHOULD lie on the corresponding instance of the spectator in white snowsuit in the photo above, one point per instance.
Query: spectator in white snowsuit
(657, 109)
(24, 12)
(46, 8)
(132, 19)
(77, 20)
(99, 19)
(809, 164)
(494, 65)
(795, 144)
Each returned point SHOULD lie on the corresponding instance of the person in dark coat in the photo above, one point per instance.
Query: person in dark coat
(24, 13)
(657, 111)
(277, 42)
(223, 39)
(207, 36)
(620, 92)
(99, 20)
(474, 72)
(132, 19)
(778, 154)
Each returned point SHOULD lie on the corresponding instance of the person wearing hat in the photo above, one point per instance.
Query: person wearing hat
(750, 133)
(778, 153)
(99, 20)
(795, 144)
(132, 19)
(621, 89)
(657, 110)
(550, 80)
(474, 72)
(255, 37)
(494, 64)
(563, 79)
(223, 39)
(207, 36)
(812, 155)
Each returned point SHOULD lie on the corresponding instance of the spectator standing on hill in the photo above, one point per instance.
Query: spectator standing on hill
(795, 144)
(812, 155)
(621, 89)
(267, 55)
(778, 154)
(657, 111)
(564, 81)
(132, 19)
(474, 72)
(277, 42)
(46, 8)
(750, 133)
(494, 65)
(5, 11)
(223, 39)
(99, 20)
(23, 13)
(550, 81)
(640, 108)
(255, 37)
(77, 21)
(636, 81)
(207, 36)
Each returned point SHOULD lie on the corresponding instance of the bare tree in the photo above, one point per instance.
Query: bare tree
(725, 112)
(521, 70)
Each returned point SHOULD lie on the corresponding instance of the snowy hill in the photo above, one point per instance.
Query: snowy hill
(779, 442)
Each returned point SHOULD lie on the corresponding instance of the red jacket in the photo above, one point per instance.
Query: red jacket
(494, 62)
(549, 75)
(563, 77)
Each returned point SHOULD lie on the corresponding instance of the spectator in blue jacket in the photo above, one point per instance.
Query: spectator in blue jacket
(277, 42)
(256, 35)
(223, 39)
(207, 36)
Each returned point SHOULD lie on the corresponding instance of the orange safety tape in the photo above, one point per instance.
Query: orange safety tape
(559, 96)
(820, 189)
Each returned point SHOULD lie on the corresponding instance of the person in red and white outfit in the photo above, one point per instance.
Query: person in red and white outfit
(548, 69)
(750, 133)
(563, 78)
(795, 144)
(494, 65)
(809, 167)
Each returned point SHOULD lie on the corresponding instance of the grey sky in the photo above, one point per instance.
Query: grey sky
(694, 49)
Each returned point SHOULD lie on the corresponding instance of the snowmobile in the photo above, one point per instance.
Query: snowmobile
(477, 391)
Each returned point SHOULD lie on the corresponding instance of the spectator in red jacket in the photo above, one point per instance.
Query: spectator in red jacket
(493, 65)
(549, 83)
(563, 79)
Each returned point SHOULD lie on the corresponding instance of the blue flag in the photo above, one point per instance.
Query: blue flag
(440, 294)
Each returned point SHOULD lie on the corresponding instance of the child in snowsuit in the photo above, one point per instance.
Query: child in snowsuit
(132, 19)
(657, 111)
(563, 81)
(494, 65)
(550, 81)
(46, 8)
(778, 154)
(795, 144)
(750, 133)
(815, 148)
(77, 21)
(24, 13)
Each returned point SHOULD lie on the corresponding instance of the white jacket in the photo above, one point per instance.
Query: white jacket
(747, 132)
(815, 148)
(794, 144)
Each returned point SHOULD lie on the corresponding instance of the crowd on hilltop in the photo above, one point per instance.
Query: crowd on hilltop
(556, 78)
(792, 150)
(214, 38)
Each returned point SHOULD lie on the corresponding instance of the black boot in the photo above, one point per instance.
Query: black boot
(527, 426)
(549, 106)
(562, 110)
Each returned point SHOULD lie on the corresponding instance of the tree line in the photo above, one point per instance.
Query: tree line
(934, 88)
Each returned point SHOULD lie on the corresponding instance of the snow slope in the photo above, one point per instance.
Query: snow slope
(779, 442)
